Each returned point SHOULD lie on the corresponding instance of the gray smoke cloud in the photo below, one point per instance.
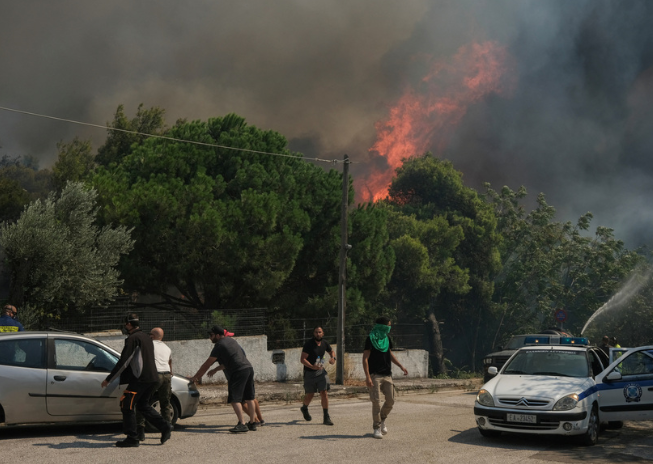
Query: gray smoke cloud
(578, 125)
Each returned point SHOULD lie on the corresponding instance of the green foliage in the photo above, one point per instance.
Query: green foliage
(119, 143)
(13, 199)
(463, 260)
(549, 265)
(222, 226)
(74, 163)
(58, 257)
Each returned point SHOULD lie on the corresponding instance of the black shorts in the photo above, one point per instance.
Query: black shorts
(241, 386)
(316, 381)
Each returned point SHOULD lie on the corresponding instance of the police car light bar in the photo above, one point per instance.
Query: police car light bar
(580, 341)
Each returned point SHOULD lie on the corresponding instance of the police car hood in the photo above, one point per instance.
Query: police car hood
(543, 386)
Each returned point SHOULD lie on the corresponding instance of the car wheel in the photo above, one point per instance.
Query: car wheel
(175, 413)
(591, 436)
(489, 433)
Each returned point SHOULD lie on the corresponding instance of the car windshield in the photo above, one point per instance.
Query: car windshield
(565, 363)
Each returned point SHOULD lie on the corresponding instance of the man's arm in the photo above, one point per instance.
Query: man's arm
(396, 361)
(304, 360)
(205, 367)
(125, 357)
(332, 353)
(366, 368)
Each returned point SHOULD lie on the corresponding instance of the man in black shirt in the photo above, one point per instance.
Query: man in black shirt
(238, 371)
(315, 376)
(377, 364)
(137, 369)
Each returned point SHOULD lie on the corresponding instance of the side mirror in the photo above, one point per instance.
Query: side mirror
(612, 376)
(492, 370)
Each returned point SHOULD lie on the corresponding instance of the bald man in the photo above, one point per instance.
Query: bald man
(8, 322)
(163, 390)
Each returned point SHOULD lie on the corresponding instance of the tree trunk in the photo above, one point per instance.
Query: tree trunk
(436, 353)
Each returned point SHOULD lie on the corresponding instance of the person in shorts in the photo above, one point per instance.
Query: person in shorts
(238, 371)
(315, 376)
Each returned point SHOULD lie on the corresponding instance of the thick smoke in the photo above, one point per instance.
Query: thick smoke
(578, 125)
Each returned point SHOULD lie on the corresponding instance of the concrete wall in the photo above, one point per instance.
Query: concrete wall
(189, 355)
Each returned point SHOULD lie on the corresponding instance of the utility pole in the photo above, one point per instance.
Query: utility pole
(342, 279)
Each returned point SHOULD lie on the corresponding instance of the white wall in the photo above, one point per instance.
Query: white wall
(189, 355)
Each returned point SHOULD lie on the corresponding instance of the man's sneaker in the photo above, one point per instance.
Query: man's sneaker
(166, 433)
(304, 410)
(377, 433)
(262, 423)
(327, 420)
(383, 428)
(128, 443)
(251, 426)
(239, 428)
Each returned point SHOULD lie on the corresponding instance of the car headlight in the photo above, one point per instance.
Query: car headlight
(487, 360)
(566, 403)
(485, 398)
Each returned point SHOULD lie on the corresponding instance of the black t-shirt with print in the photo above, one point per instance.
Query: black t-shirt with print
(379, 363)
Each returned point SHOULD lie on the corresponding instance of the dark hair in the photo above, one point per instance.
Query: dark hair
(132, 318)
(318, 327)
(383, 320)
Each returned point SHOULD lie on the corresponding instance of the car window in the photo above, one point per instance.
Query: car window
(515, 343)
(81, 355)
(548, 362)
(597, 361)
(23, 353)
(638, 364)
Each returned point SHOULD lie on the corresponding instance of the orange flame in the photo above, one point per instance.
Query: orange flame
(424, 119)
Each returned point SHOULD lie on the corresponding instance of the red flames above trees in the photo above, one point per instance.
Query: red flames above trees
(424, 118)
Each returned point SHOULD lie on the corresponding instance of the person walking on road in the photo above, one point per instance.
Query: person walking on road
(136, 368)
(315, 376)
(377, 364)
(238, 371)
(8, 322)
(163, 389)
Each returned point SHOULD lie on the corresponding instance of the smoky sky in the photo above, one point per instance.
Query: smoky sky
(578, 125)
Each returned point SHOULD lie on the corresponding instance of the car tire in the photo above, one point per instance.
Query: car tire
(489, 433)
(149, 428)
(591, 436)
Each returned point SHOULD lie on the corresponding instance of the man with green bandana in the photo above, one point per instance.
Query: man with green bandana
(377, 364)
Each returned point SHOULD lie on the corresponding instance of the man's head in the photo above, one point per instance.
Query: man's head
(131, 322)
(216, 333)
(383, 320)
(156, 333)
(10, 310)
(318, 333)
(606, 339)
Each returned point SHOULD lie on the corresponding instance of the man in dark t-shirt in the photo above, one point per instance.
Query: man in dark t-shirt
(315, 376)
(377, 364)
(238, 371)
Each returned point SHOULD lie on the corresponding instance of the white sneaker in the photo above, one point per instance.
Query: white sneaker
(383, 428)
(377, 433)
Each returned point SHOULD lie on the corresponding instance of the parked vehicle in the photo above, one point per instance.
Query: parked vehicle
(502, 354)
(564, 389)
(53, 377)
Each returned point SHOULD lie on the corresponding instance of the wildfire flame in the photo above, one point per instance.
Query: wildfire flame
(424, 118)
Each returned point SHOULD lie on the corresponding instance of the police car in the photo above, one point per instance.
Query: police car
(568, 388)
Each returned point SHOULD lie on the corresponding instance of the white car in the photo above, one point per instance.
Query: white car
(562, 389)
(55, 377)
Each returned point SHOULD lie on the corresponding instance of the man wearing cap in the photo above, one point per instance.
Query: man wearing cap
(8, 322)
(163, 389)
(137, 369)
(238, 371)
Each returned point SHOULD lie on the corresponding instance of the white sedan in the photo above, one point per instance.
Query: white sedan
(564, 389)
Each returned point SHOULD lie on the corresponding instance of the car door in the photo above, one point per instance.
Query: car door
(626, 387)
(76, 370)
(23, 379)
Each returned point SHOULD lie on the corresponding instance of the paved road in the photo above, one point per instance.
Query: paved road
(427, 427)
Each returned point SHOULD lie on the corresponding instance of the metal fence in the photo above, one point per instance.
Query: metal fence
(188, 324)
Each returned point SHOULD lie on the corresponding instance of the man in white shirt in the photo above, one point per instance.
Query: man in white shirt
(163, 390)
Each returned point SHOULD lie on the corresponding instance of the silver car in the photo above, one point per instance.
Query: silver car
(48, 377)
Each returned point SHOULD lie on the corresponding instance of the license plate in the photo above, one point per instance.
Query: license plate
(527, 418)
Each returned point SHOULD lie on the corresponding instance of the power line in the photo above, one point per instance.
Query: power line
(212, 145)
